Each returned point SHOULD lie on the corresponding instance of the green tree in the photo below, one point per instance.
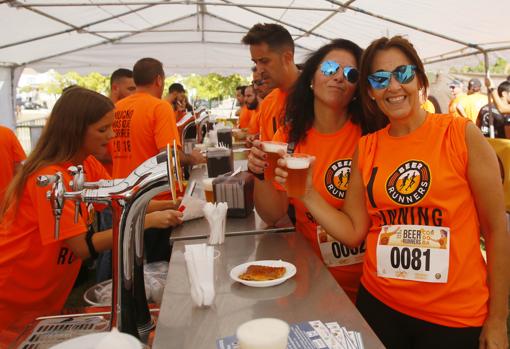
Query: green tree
(499, 67)
(214, 86)
(93, 81)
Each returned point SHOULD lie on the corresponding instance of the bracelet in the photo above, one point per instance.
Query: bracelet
(90, 245)
(491, 89)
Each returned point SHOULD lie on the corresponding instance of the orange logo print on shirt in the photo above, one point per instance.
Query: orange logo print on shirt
(409, 183)
(337, 177)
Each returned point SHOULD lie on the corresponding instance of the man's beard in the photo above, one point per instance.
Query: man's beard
(253, 105)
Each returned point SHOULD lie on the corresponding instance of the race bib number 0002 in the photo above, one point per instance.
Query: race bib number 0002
(336, 254)
(414, 252)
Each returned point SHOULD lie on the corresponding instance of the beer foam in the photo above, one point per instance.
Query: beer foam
(274, 147)
(263, 333)
(297, 163)
(207, 183)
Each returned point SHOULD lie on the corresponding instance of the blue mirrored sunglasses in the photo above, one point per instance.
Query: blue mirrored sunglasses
(404, 74)
(329, 68)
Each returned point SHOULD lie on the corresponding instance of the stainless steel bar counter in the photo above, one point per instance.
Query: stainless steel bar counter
(199, 228)
(312, 294)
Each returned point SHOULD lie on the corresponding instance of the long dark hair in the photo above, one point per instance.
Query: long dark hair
(62, 137)
(369, 105)
(299, 112)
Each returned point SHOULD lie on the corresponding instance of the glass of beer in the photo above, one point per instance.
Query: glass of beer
(297, 169)
(272, 149)
(207, 184)
(263, 333)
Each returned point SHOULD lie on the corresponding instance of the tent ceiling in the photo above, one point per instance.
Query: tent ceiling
(204, 36)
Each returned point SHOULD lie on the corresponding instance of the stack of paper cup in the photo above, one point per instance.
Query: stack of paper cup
(264, 333)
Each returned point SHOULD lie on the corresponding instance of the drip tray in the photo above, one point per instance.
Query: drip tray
(49, 332)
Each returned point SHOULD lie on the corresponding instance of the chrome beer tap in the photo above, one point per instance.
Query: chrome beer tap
(129, 198)
(202, 119)
(76, 184)
(55, 196)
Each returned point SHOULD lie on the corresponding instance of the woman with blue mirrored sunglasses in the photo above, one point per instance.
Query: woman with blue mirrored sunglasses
(421, 191)
(330, 68)
(323, 119)
(404, 74)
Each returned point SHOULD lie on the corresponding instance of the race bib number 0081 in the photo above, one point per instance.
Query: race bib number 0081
(414, 252)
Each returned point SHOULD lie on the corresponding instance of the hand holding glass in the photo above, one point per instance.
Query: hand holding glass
(297, 172)
(273, 150)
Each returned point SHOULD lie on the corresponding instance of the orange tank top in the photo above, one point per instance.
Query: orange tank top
(331, 174)
(420, 180)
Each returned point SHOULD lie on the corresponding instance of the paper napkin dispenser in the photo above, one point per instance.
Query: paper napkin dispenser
(219, 161)
(236, 191)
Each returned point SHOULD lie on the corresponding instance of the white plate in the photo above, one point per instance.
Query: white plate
(290, 271)
(90, 341)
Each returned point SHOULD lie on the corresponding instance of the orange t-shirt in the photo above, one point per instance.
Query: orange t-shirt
(271, 115)
(11, 153)
(37, 272)
(452, 107)
(331, 173)
(254, 126)
(143, 124)
(435, 170)
(245, 117)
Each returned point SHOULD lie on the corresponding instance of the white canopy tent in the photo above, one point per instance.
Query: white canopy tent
(204, 36)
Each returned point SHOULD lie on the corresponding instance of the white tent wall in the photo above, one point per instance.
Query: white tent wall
(203, 36)
(9, 78)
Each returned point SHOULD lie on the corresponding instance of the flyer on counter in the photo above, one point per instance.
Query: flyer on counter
(311, 335)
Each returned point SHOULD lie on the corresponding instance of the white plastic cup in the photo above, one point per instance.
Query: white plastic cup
(263, 333)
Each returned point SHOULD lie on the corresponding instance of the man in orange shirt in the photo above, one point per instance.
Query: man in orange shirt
(261, 90)
(121, 84)
(249, 107)
(272, 50)
(12, 154)
(240, 98)
(144, 124)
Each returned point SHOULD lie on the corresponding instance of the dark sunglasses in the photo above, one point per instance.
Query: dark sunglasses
(329, 68)
(404, 74)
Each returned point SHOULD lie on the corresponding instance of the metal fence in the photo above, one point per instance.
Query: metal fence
(29, 131)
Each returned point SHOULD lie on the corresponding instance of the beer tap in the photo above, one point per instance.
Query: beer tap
(203, 118)
(76, 185)
(129, 198)
(56, 196)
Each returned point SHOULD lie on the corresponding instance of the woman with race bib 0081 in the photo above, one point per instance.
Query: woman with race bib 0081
(323, 119)
(421, 191)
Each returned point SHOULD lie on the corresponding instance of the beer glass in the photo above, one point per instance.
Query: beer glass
(263, 333)
(297, 169)
(271, 149)
(207, 184)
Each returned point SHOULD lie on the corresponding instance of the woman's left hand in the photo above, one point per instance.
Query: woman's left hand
(494, 334)
(163, 219)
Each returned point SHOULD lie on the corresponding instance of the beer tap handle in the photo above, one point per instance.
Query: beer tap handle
(55, 195)
(76, 184)
(178, 168)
